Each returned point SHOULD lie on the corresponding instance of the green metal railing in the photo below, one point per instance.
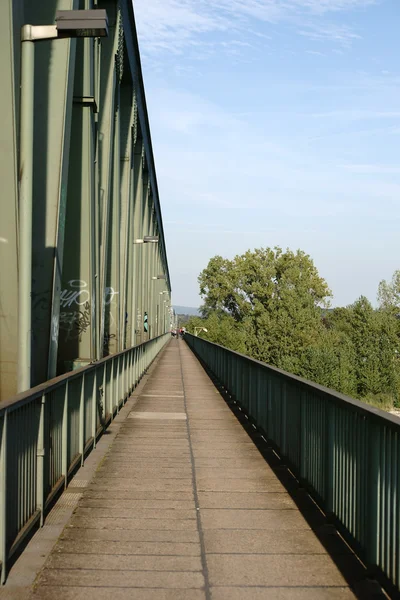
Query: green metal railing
(345, 452)
(46, 432)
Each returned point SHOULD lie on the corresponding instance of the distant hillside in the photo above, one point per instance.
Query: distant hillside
(187, 310)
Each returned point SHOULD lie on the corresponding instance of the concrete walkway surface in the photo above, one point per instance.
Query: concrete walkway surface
(184, 506)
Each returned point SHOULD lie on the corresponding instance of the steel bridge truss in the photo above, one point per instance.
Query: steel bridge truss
(97, 288)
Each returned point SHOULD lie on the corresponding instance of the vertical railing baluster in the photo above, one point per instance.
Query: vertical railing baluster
(284, 433)
(82, 436)
(112, 388)
(374, 483)
(133, 369)
(23, 477)
(121, 380)
(40, 453)
(104, 384)
(64, 439)
(126, 378)
(329, 457)
(117, 382)
(94, 409)
(3, 500)
(136, 366)
(129, 355)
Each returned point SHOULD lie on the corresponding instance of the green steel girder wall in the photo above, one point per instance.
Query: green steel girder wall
(94, 192)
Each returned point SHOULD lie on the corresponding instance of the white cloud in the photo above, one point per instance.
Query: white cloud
(342, 35)
(176, 25)
(325, 6)
(211, 161)
(357, 114)
(373, 169)
(315, 53)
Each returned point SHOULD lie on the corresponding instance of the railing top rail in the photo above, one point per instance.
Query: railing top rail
(27, 396)
(311, 386)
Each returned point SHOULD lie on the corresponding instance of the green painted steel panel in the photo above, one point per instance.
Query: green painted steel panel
(10, 21)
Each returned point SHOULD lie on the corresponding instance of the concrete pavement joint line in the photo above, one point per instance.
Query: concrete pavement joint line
(284, 587)
(120, 587)
(195, 492)
(160, 396)
(125, 569)
(157, 415)
(243, 554)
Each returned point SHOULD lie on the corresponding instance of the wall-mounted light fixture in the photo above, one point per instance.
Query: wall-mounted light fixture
(147, 239)
(82, 23)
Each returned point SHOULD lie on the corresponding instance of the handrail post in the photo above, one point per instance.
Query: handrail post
(64, 440)
(284, 422)
(82, 422)
(373, 506)
(136, 366)
(302, 441)
(129, 372)
(330, 421)
(94, 408)
(134, 363)
(3, 500)
(104, 393)
(117, 381)
(112, 389)
(126, 377)
(40, 453)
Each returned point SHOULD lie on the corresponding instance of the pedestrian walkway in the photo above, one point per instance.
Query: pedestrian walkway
(185, 507)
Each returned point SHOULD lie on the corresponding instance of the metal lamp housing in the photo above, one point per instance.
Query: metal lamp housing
(82, 23)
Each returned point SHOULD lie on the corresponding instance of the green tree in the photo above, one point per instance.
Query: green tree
(372, 335)
(330, 362)
(389, 293)
(338, 342)
(276, 297)
(269, 303)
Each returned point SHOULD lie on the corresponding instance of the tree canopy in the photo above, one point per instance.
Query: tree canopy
(273, 305)
(276, 296)
(389, 293)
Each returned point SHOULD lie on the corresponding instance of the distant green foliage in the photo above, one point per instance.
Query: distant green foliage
(182, 319)
(221, 329)
(271, 305)
(389, 293)
(373, 340)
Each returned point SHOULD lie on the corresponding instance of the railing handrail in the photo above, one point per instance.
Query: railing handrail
(359, 405)
(33, 393)
(61, 420)
(344, 452)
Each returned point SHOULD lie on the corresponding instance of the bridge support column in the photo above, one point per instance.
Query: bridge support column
(78, 300)
(139, 232)
(127, 116)
(106, 145)
(54, 77)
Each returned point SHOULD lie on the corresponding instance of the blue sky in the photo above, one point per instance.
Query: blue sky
(276, 122)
